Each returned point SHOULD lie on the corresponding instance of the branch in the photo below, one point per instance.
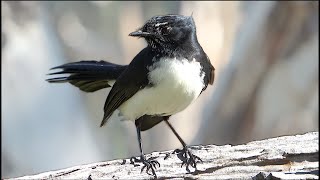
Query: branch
(287, 157)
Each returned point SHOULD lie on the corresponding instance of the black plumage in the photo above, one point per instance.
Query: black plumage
(172, 42)
(89, 76)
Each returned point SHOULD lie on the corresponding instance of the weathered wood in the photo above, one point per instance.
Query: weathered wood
(287, 157)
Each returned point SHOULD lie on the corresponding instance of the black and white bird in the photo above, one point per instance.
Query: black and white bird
(161, 80)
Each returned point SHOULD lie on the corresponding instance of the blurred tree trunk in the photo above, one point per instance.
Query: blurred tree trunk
(269, 87)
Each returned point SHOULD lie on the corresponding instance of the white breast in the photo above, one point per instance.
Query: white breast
(176, 83)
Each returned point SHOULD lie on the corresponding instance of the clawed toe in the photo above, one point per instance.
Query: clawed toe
(187, 158)
(148, 164)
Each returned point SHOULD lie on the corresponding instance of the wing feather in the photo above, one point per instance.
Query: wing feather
(135, 77)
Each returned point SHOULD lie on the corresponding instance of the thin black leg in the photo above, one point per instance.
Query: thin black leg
(150, 163)
(175, 133)
(185, 152)
(138, 128)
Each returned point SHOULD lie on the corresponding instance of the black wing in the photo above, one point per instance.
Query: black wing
(207, 68)
(88, 76)
(135, 77)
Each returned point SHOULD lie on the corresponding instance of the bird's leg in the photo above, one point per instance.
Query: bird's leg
(149, 164)
(184, 154)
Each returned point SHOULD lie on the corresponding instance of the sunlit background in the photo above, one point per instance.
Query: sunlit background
(265, 55)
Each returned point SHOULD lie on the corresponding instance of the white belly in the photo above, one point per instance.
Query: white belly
(176, 84)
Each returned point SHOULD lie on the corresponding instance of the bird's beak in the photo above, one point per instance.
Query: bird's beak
(140, 33)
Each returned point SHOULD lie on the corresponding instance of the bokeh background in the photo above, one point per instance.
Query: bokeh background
(265, 55)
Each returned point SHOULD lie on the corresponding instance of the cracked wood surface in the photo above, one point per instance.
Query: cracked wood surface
(286, 157)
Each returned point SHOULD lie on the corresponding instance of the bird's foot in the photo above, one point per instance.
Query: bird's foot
(149, 164)
(187, 158)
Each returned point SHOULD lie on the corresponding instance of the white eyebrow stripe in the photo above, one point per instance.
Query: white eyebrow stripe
(159, 24)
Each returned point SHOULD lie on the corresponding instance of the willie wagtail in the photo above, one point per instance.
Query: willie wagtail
(162, 80)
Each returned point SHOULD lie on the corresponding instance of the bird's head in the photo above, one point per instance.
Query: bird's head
(165, 33)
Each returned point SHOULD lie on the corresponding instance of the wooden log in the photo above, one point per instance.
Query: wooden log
(286, 157)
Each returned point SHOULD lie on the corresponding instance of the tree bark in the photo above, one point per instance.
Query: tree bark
(286, 157)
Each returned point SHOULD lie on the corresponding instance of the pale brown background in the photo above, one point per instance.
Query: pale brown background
(265, 55)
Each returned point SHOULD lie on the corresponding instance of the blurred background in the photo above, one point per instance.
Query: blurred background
(265, 55)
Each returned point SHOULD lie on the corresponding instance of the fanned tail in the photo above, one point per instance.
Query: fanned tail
(88, 76)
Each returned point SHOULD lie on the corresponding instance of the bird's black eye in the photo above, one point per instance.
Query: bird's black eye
(165, 30)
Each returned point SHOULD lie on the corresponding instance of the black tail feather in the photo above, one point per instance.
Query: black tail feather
(89, 76)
